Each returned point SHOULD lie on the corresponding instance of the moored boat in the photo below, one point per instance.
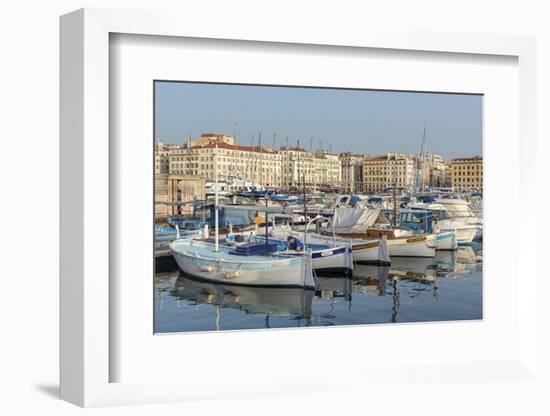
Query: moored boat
(327, 257)
(250, 265)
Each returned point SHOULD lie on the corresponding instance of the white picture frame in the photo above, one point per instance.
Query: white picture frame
(86, 353)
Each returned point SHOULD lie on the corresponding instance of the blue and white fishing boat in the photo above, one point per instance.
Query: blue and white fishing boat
(248, 265)
(327, 257)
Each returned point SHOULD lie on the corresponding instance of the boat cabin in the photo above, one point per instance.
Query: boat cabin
(420, 221)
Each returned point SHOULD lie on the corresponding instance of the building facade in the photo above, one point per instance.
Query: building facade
(352, 171)
(432, 171)
(467, 173)
(383, 172)
(162, 156)
(258, 164)
(300, 167)
(290, 167)
(211, 138)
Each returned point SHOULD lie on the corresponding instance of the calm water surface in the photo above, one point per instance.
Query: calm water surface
(447, 287)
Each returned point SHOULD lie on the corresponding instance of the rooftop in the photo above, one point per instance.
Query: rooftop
(235, 147)
(473, 158)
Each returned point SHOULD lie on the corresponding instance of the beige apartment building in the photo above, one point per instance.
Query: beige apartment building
(258, 164)
(211, 138)
(467, 173)
(300, 167)
(352, 171)
(434, 170)
(393, 169)
(162, 156)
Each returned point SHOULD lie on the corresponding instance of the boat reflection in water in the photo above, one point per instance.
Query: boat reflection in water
(413, 277)
(446, 287)
(258, 301)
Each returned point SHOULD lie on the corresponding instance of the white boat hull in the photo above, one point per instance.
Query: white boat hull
(446, 241)
(465, 228)
(371, 252)
(337, 259)
(416, 246)
(200, 261)
(464, 234)
(363, 251)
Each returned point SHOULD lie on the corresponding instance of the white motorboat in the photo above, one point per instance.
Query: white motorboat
(454, 215)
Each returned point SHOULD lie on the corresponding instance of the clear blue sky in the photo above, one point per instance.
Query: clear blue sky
(362, 121)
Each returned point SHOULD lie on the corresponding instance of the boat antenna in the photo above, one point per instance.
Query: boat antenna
(216, 219)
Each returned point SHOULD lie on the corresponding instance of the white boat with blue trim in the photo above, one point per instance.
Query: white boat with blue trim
(326, 256)
(248, 264)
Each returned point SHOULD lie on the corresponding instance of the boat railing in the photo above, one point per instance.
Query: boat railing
(193, 253)
(320, 218)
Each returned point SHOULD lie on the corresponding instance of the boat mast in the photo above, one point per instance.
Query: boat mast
(249, 167)
(260, 156)
(287, 167)
(235, 159)
(216, 230)
(421, 159)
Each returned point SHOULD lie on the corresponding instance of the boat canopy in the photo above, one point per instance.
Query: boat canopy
(228, 215)
(354, 219)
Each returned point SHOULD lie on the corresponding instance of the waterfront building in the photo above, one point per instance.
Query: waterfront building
(432, 170)
(259, 164)
(383, 172)
(467, 173)
(352, 171)
(211, 138)
(162, 156)
(327, 170)
(299, 167)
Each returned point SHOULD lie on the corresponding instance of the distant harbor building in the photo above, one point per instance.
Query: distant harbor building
(211, 138)
(433, 170)
(300, 167)
(327, 169)
(290, 167)
(259, 164)
(382, 172)
(352, 171)
(467, 173)
(162, 156)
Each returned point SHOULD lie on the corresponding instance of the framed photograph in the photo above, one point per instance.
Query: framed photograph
(250, 206)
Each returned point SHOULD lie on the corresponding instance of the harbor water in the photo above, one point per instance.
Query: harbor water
(445, 288)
